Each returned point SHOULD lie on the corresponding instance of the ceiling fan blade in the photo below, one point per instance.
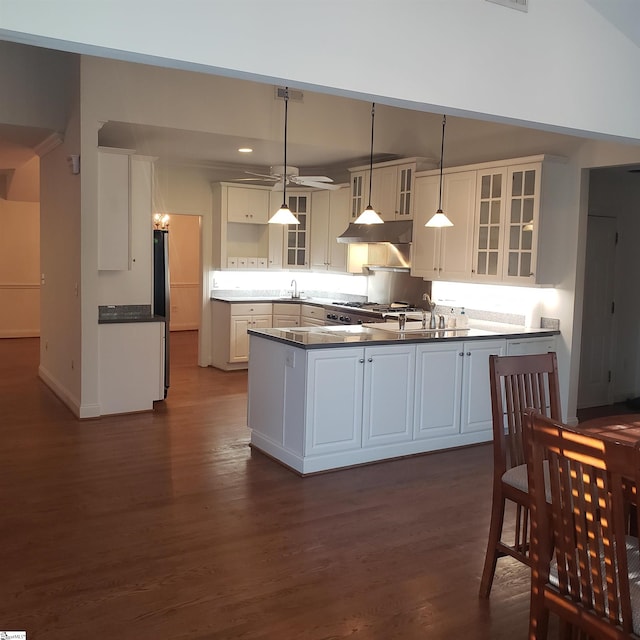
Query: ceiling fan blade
(316, 178)
(318, 185)
(262, 175)
(278, 186)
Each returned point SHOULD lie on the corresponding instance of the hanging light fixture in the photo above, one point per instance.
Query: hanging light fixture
(283, 215)
(369, 215)
(439, 219)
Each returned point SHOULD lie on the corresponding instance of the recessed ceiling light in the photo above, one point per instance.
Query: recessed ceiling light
(245, 150)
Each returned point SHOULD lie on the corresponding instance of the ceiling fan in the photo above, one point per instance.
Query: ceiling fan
(291, 177)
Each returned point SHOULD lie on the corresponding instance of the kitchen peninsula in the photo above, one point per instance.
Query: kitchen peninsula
(323, 398)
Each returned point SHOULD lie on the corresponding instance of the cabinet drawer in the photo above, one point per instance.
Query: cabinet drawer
(249, 308)
(286, 309)
(310, 311)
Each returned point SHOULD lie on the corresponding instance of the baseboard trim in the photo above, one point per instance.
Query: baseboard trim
(67, 397)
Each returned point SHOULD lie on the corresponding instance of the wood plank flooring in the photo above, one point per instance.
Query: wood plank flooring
(166, 525)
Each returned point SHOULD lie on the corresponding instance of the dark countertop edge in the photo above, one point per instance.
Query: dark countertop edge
(267, 299)
(123, 320)
(543, 333)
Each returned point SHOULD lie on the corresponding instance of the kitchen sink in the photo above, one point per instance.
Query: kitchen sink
(417, 331)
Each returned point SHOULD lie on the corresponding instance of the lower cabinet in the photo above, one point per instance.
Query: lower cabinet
(359, 397)
(230, 323)
(452, 388)
(131, 357)
(327, 408)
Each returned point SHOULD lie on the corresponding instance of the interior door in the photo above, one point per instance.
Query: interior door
(594, 387)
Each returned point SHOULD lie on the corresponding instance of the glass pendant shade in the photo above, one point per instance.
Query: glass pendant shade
(369, 216)
(283, 216)
(439, 219)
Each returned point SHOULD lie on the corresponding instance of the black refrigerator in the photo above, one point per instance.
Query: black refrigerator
(161, 292)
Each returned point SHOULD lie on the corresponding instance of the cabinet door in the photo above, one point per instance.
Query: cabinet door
(437, 391)
(404, 191)
(338, 222)
(425, 248)
(276, 233)
(458, 197)
(281, 321)
(488, 231)
(383, 192)
(247, 205)
(523, 200)
(334, 400)
(114, 217)
(297, 235)
(388, 395)
(311, 322)
(318, 244)
(359, 192)
(476, 391)
(239, 339)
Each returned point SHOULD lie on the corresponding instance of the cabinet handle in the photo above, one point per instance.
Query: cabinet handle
(370, 360)
(461, 353)
(361, 360)
(468, 353)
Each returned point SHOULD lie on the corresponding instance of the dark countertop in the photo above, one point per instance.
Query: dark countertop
(272, 299)
(354, 335)
(127, 313)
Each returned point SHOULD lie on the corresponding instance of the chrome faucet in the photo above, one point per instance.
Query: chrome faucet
(294, 293)
(432, 306)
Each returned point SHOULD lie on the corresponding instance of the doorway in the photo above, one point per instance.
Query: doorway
(185, 273)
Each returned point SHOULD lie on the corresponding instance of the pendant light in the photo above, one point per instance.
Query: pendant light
(283, 215)
(369, 215)
(439, 219)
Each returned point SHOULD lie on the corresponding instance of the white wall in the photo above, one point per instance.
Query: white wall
(465, 56)
(62, 331)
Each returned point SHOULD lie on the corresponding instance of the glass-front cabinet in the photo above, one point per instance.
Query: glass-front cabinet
(490, 204)
(524, 183)
(297, 235)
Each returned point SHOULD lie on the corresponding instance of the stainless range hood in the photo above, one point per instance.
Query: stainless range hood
(396, 232)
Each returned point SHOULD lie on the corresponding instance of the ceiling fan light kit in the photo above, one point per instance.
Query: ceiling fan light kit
(439, 219)
(369, 215)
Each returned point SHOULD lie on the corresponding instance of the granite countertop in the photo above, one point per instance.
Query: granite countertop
(278, 299)
(127, 313)
(352, 335)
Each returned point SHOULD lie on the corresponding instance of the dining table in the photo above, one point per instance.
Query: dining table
(623, 428)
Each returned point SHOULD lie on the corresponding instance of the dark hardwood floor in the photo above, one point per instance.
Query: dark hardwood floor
(166, 525)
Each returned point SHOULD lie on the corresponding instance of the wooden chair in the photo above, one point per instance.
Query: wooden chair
(585, 568)
(517, 382)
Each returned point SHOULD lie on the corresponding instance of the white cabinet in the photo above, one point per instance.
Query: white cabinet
(359, 397)
(241, 235)
(452, 388)
(296, 236)
(247, 205)
(392, 188)
(444, 253)
(329, 218)
(275, 234)
(527, 346)
(311, 316)
(230, 323)
(286, 315)
(114, 213)
(387, 397)
(131, 372)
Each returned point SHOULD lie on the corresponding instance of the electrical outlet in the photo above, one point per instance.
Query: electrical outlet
(290, 358)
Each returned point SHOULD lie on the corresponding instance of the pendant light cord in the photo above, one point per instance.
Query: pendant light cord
(284, 177)
(444, 121)
(373, 113)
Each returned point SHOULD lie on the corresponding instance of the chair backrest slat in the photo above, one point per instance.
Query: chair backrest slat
(517, 383)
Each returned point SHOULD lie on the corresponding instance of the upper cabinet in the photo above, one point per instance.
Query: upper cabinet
(444, 253)
(114, 210)
(330, 217)
(296, 236)
(247, 204)
(392, 186)
(504, 230)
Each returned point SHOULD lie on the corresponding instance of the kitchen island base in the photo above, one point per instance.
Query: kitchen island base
(332, 406)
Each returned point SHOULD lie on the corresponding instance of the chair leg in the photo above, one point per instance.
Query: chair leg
(495, 533)
(539, 616)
